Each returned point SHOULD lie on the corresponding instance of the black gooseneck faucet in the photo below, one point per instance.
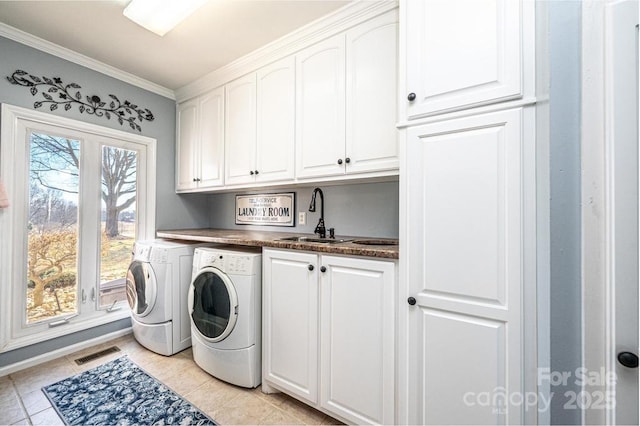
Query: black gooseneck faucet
(320, 229)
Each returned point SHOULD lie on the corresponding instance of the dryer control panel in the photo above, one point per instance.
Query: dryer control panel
(141, 252)
(233, 263)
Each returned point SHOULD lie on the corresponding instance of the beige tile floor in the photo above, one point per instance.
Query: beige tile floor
(23, 403)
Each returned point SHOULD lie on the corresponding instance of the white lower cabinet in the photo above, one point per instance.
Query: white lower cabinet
(328, 333)
(290, 323)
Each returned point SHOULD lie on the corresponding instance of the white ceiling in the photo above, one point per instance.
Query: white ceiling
(215, 35)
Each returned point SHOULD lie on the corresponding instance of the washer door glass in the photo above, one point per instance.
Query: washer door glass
(141, 288)
(215, 304)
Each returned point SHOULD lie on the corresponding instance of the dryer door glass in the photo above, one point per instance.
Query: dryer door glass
(214, 305)
(140, 288)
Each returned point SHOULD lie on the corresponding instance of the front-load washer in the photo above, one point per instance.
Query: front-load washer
(157, 286)
(225, 309)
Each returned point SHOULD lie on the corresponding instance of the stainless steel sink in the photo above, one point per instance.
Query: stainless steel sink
(376, 242)
(314, 240)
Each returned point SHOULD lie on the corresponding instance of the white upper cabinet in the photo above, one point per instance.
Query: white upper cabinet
(260, 119)
(200, 144)
(347, 90)
(211, 156)
(461, 54)
(188, 139)
(320, 109)
(328, 111)
(240, 136)
(275, 149)
(372, 93)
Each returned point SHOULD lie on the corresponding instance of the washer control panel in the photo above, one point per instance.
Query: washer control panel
(159, 255)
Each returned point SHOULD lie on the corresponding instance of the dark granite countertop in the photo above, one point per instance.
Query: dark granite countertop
(366, 247)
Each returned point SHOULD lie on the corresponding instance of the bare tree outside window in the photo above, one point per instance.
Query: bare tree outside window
(119, 188)
(54, 154)
(118, 185)
(53, 227)
(53, 223)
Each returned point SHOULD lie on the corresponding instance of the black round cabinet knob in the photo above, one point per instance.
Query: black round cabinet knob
(256, 172)
(347, 160)
(323, 269)
(339, 160)
(411, 301)
(628, 359)
(310, 267)
(411, 97)
(251, 172)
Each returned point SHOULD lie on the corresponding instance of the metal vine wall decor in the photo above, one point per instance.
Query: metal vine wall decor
(56, 94)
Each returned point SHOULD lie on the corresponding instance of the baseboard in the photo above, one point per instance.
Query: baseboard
(40, 359)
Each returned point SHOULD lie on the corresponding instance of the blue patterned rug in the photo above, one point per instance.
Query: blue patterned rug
(120, 393)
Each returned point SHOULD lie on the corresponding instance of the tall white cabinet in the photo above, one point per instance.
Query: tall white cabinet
(465, 254)
(462, 54)
(468, 213)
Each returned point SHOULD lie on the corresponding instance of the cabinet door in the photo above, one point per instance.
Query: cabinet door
(211, 157)
(290, 322)
(464, 254)
(186, 145)
(357, 339)
(320, 109)
(462, 53)
(275, 150)
(240, 130)
(372, 93)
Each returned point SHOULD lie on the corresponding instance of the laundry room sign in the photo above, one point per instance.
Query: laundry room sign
(266, 209)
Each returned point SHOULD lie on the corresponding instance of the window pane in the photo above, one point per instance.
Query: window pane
(118, 221)
(52, 227)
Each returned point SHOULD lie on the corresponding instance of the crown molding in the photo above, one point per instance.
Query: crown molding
(80, 59)
(329, 25)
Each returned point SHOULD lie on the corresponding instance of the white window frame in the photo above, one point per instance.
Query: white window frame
(15, 126)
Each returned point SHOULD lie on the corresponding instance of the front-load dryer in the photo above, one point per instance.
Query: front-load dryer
(157, 286)
(225, 311)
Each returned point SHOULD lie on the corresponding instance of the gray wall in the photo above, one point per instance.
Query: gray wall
(365, 209)
(172, 211)
(565, 293)
(47, 346)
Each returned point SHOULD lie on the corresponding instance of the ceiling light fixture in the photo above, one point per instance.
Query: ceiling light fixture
(160, 16)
